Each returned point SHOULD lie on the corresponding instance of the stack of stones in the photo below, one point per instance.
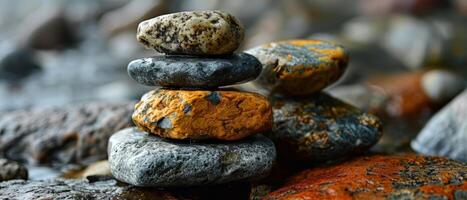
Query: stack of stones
(310, 125)
(190, 131)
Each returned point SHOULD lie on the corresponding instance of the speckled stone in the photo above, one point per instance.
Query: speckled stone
(193, 33)
(321, 128)
(300, 67)
(203, 114)
(380, 177)
(142, 159)
(194, 72)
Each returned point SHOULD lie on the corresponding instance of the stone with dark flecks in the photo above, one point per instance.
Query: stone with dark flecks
(203, 114)
(62, 135)
(380, 177)
(12, 170)
(142, 159)
(300, 67)
(194, 72)
(446, 132)
(321, 128)
(193, 33)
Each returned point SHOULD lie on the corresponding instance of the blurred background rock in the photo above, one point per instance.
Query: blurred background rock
(408, 57)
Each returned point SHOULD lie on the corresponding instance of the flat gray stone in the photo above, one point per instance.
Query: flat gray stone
(446, 132)
(192, 33)
(141, 159)
(198, 72)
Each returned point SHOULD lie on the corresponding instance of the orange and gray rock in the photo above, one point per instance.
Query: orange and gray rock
(380, 177)
(321, 128)
(10, 170)
(203, 114)
(65, 135)
(194, 33)
(300, 67)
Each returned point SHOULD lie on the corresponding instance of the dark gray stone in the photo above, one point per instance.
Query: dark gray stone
(65, 135)
(446, 132)
(12, 170)
(141, 159)
(18, 65)
(198, 72)
(321, 128)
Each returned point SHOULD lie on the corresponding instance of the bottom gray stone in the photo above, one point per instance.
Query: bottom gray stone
(142, 159)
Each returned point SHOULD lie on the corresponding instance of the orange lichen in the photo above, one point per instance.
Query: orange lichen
(183, 114)
(378, 177)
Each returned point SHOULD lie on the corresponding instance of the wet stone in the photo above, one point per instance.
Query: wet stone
(321, 128)
(446, 134)
(194, 72)
(193, 33)
(380, 177)
(203, 114)
(300, 67)
(10, 170)
(143, 159)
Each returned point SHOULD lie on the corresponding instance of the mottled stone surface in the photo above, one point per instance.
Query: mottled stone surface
(321, 128)
(446, 132)
(12, 170)
(77, 189)
(202, 114)
(300, 67)
(142, 159)
(62, 135)
(380, 177)
(194, 33)
(195, 72)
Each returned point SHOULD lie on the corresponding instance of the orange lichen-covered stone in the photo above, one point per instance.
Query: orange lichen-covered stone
(202, 114)
(380, 177)
(300, 67)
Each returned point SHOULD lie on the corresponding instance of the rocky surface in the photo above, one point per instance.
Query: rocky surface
(197, 72)
(10, 170)
(446, 133)
(321, 128)
(194, 33)
(380, 177)
(70, 134)
(202, 114)
(300, 67)
(142, 159)
(77, 189)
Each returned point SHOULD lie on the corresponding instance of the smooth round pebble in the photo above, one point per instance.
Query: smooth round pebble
(321, 128)
(203, 114)
(142, 159)
(195, 72)
(299, 67)
(192, 33)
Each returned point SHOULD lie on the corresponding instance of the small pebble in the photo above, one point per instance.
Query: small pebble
(193, 33)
